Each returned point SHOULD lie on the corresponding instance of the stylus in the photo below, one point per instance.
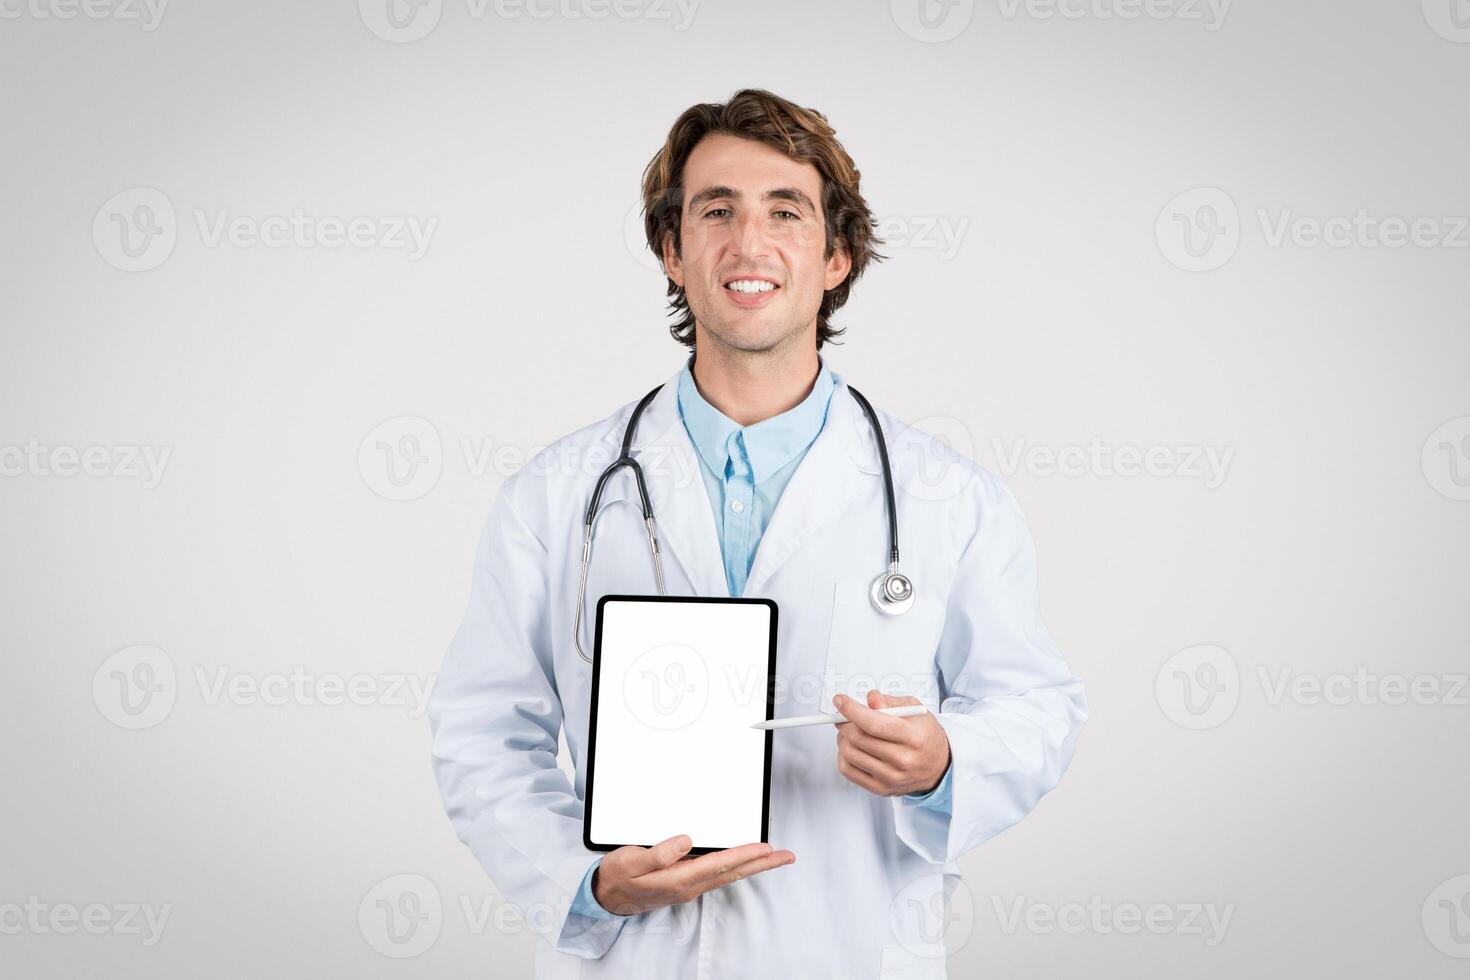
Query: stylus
(835, 719)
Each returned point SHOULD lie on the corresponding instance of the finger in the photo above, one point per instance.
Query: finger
(877, 699)
(870, 721)
(880, 769)
(857, 776)
(642, 860)
(695, 870)
(776, 859)
(897, 754)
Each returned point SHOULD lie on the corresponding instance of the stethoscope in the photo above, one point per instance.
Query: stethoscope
(892, 591)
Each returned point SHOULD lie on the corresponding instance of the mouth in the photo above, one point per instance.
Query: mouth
(748, 291)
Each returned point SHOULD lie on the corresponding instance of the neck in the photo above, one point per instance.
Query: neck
(749, 388)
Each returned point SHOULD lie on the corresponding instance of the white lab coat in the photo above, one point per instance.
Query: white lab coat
(863, 899)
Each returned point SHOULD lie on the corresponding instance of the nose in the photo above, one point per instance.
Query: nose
(750, 239)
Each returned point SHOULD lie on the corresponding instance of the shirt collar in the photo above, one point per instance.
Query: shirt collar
(770, 444)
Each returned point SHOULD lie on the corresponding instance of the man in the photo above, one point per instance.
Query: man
(765, 480)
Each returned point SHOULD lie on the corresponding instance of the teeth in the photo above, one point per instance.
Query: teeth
(750, 286)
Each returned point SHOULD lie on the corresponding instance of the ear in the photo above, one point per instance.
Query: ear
(673, 265)
(838, 266)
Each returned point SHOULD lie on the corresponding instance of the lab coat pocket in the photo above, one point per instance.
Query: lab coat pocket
(868, 649)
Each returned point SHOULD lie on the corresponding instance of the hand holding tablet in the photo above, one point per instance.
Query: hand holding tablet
(636, 879)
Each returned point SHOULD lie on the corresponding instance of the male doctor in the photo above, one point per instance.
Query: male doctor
(765, 481)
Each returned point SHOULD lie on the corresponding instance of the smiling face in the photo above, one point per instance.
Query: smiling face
(753, 241)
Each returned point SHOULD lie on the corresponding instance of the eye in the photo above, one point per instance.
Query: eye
(790, 215)
(714, 211)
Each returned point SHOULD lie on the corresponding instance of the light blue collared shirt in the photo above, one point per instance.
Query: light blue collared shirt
(745, 470)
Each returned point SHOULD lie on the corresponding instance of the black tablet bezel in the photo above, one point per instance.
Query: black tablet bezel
(587, 840)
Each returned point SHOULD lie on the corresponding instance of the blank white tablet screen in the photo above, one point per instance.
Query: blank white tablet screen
(679, 685)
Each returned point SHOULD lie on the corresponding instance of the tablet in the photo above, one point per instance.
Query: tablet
(677, 681)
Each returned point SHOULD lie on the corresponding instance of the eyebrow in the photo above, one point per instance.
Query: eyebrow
(775, 194)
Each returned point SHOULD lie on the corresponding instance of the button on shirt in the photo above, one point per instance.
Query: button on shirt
(745, 470)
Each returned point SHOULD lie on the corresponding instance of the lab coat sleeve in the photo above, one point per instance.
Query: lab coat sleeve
(495, 714)
(1010, 707)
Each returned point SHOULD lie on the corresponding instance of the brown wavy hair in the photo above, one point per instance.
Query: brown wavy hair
(803, 135)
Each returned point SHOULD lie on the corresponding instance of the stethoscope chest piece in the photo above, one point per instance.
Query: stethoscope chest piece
(892, 593)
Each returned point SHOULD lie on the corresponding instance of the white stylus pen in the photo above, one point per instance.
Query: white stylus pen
(835, 719)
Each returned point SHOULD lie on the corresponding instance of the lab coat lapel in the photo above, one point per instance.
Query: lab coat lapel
(827, 480)
(682, 514)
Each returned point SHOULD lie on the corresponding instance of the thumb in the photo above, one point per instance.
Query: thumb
(660, 855)
(877, 699)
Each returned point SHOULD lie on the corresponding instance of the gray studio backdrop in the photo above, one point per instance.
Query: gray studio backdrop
(289, 289)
